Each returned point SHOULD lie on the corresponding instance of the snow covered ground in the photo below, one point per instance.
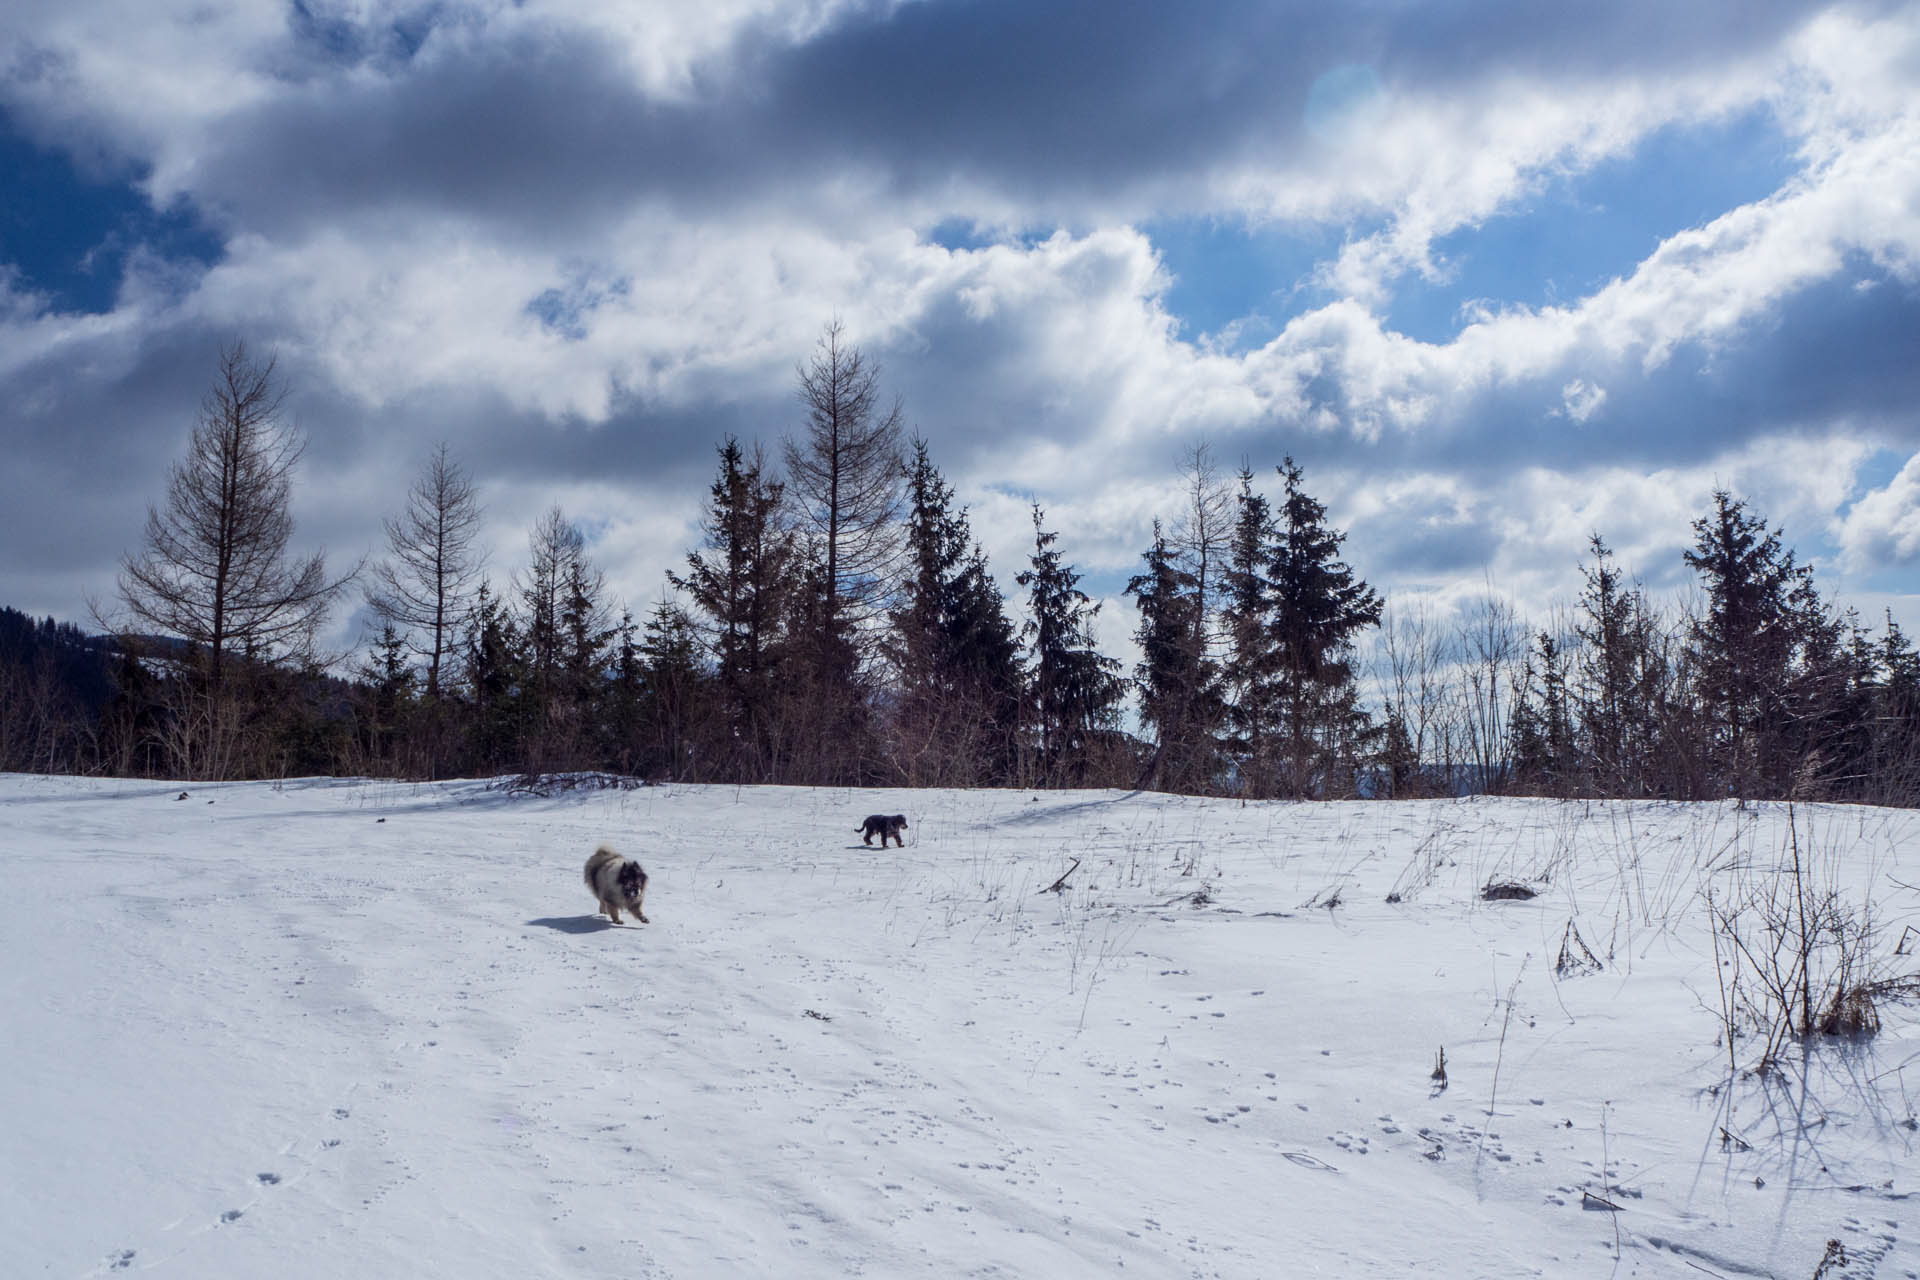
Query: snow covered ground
(349, 1028)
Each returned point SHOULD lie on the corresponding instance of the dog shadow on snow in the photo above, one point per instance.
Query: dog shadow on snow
(574, 924)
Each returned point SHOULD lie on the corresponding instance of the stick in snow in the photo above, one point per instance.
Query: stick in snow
(1059, 886)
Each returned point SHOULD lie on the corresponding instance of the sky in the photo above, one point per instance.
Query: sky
(1498, 275)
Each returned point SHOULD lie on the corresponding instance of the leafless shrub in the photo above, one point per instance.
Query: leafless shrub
(1796, 956)
(1492, 644)
(1429, 858)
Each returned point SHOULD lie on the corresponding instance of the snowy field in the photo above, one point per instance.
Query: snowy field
(349, 1028)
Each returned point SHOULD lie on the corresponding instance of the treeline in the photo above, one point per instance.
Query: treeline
(135, 705)
(839, 624)
(1759, 689)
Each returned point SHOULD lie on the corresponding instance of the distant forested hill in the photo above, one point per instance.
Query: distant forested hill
(55, 687)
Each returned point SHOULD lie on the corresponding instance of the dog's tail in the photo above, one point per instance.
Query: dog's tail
(601, 856)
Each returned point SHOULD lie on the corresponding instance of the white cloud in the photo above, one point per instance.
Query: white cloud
(1580, 399)
(1882, 530)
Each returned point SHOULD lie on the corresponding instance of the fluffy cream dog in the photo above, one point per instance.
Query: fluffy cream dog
(617, 882)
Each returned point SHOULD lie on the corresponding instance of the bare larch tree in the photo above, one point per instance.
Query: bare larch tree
(844, 474)
(215, 569)
(427, 584)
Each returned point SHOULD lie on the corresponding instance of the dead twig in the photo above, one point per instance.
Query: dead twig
(1060, 885)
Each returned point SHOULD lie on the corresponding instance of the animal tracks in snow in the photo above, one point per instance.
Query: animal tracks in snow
(298, 1155)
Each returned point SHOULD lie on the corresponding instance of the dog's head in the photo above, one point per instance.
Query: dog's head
(898, 819)
(633, 885)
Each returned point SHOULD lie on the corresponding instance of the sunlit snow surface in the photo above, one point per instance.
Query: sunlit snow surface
(350, 1028)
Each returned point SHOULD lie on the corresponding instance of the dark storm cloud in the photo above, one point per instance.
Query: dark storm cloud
(1830, 354)
(971, 387)
(1844, 349)
(90, 433)
(1443, 43)
(1057, 105)
(635, 444)
(1420, 539)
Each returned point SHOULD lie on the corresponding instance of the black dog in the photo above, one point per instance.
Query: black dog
(884, 825)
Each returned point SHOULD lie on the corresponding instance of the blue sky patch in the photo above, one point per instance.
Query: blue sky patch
(1225, 271)
(961, 234)
(964, 235)
(1587, 229)
(565, 312)
(68, 234)
(1878, 471)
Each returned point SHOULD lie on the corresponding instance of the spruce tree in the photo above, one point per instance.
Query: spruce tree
(1743, 647)
(1830, 696)
(1250, 665)
(1541, 732)
(1893, 765)
(566, 633)
(676, 690)
(957, 713)
(1316, 609)
(1399, 759)
(1074, 692)
(496, 677)
(1618, 679)
(1177, 682)
(388, 682)
(741, 588)
(585, 658)
(620, 706)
